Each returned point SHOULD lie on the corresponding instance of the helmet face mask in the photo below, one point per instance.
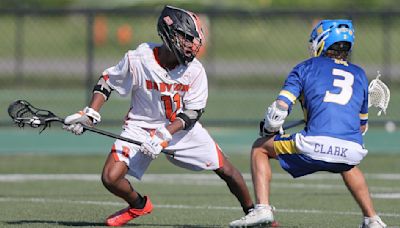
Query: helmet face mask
(181, 32)
(328, 32)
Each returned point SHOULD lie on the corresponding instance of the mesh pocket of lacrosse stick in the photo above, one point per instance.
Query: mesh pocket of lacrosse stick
(23, 113)
(378, 95)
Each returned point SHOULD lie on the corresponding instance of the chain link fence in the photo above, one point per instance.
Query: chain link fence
(52, 57)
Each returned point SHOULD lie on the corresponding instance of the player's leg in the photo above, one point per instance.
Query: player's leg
(262, 151)
(196, 150)
(236, 183)
(355, 182)
(125, 158)
(113, 178)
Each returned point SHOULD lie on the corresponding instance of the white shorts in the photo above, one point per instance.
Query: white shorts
(194, 150)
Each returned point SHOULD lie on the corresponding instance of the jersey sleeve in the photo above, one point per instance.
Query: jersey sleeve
(292, 87)
(196, 97)
(364, 107)
(122, 76)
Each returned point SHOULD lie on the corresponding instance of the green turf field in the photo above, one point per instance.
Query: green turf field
(53, 179)
(181, 198)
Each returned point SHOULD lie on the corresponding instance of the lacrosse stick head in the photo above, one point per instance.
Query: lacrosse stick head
(378, 95)
(23, 113)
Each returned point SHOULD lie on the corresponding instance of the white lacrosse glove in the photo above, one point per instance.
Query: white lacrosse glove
(88, 117)
(273, 120)
(156, 143)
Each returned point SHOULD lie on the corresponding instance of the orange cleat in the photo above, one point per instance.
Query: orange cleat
(123, 216)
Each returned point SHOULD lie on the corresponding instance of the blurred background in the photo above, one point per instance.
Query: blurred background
(52, 53)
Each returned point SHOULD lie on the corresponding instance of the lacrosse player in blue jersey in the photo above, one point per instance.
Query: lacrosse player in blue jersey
(334, 97)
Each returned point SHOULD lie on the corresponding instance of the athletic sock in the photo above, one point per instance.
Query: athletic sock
(139, 202)
(246, 210)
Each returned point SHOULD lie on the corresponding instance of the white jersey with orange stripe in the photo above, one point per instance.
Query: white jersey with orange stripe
(157, 95)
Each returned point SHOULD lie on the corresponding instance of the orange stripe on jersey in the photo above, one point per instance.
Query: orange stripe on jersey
(220, 156)
(155, 52)
(114, 153)
(149, 84)
(125, 151)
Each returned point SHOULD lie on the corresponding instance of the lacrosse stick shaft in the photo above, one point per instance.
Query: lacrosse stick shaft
(115, 136)
(293, 124)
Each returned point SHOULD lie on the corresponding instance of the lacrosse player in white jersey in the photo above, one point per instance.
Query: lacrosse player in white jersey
(168, 88)
(334, 96)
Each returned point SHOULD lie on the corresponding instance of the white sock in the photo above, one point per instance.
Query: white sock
(259, 206)
(368, 220)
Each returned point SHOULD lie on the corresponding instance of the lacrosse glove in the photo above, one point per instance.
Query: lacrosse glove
(75, 122)
(274, 118)
(265, 133)
(156, 142)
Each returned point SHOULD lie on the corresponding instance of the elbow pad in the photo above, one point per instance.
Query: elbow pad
(103, 88)
(189, 118)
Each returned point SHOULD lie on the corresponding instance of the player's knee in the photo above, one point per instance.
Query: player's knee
(260, 151)
(108, 180)
(228, 171)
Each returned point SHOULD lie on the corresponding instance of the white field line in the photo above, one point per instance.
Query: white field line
(280, 180)
(378, 192)
(177, 206)
(186, 177)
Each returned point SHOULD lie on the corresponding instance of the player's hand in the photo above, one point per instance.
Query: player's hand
(156, 142)
(274, 118)
(265, 133)
(88, 117)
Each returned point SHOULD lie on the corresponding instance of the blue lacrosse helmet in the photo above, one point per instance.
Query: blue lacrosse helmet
(328, 32)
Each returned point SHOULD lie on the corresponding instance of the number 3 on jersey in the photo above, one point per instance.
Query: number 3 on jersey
(345, 84)
(172, 104)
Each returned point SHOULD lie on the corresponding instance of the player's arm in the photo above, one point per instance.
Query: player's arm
(363, 123)
(364, 108)
(364, 129)
(186, 119)
(162, 135)
(194, 103)
(278, 111)
(118, 77)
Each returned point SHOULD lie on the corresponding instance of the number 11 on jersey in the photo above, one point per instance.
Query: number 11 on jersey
(172, 104)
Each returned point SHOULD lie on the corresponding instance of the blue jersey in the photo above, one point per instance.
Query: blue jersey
(334, 97)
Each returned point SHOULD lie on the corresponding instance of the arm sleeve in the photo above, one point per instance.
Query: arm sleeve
(364, 107)
(196, 97)
(122, 76)
(292, 87)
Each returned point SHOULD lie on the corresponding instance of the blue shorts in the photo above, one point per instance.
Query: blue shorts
(298, 164)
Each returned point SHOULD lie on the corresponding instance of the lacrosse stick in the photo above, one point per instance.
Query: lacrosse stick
(378, 95)
(23, 113)
(285, 127)
(293, 124)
